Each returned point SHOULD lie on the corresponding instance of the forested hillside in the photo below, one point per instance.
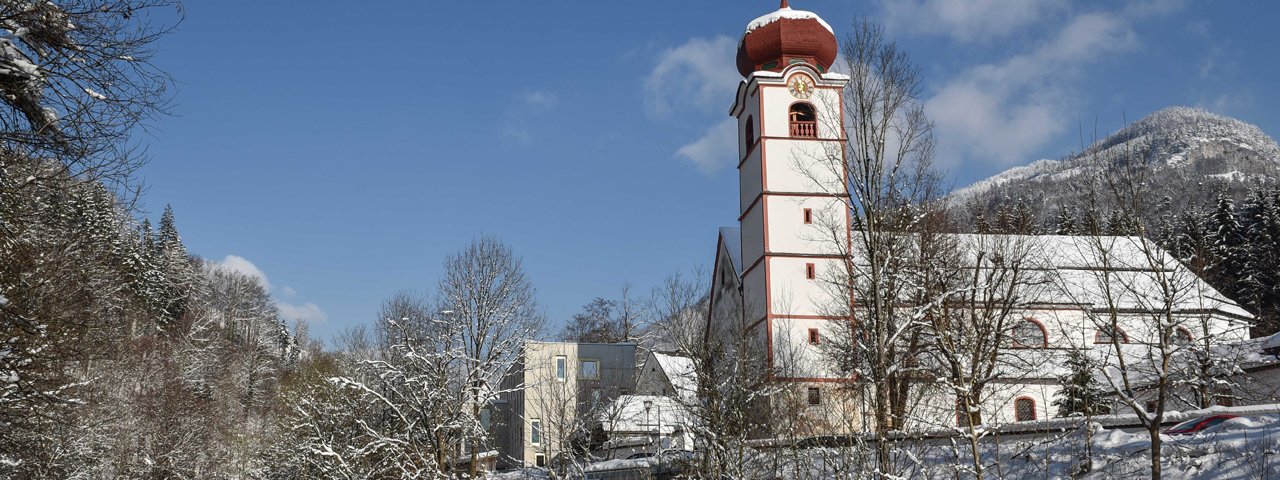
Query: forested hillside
(123, 356)
(1212, 186)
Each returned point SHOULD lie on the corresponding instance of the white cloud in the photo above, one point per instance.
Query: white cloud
(701, 74)
(966, 20)
(307, 312)
(1001, 112)
(518, 134)
(715, 149)
(522, 111)
(243, 266)
(539, 99)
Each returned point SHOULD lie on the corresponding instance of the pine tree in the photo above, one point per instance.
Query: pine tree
(1081, 395)
(1066, 223)
(174, 266)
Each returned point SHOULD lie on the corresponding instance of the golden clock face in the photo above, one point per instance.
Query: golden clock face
(801, 86)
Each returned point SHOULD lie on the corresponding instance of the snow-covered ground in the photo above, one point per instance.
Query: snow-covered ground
(1241, 448)
(1247, 447)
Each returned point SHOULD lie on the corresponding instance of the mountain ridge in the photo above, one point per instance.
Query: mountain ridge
(1190, 152)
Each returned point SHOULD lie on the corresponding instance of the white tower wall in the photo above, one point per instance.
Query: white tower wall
(794, 212)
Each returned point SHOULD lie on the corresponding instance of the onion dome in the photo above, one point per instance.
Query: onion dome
(785, 37)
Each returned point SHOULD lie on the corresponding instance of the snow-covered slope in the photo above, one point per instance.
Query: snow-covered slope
(1186, 151)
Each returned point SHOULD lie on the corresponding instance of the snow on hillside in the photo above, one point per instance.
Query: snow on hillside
(1180, 141)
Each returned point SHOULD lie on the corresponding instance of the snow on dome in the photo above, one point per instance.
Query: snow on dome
(788, 13)
(786, 37)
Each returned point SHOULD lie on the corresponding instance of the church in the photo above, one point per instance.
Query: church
(768, 269)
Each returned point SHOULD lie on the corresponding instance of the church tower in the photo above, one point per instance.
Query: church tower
(794, 220)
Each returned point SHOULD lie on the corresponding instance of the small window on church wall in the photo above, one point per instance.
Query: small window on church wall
(1028, 334)
(1107, 334)
(750, 135)
(814, 337)
(1222, 396)
(1181, 336)
(810, 271)
(815, 396)
(808, 216)
(804, 123)
(1024, 409)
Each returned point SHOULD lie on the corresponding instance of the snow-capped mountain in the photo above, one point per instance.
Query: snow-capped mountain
(1190, 153)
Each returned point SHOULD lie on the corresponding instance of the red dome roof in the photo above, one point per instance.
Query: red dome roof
(784, 37)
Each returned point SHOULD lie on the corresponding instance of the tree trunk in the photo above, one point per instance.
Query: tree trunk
(1154, 431)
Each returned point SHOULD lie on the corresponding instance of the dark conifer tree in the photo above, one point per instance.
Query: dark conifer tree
(1081, 394)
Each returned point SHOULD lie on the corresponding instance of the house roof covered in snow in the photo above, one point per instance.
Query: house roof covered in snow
(679, 370)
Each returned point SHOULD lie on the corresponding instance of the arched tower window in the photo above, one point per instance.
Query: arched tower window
(750, 135)
(804, 122)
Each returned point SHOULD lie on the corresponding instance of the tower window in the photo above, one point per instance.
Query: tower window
(808, 216)
(810, 271)
(814, 336)
(804, 122)
(815, 396)
(749, 136)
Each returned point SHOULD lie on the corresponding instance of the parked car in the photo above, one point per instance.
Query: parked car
(1197, 425)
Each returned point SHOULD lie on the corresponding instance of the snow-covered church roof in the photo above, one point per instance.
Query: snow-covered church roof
(731, 238)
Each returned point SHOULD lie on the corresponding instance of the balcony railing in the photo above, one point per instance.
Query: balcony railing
(802, 129)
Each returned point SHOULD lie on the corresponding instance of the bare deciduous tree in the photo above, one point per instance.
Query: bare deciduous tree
(890, 188)
(486, 293)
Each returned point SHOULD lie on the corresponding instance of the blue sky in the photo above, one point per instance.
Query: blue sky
(342, 149)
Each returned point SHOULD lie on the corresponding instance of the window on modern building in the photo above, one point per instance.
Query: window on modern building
(814, 336)
(1107, 334)
(1024, 409)
(1181, 336)
(589, 370)
(810, 271)
(815, 396)
(540, 460)
(750, 135)
(561, 367)
(808, 216)
(804, 123)
(535, 432)
(1028, 333)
